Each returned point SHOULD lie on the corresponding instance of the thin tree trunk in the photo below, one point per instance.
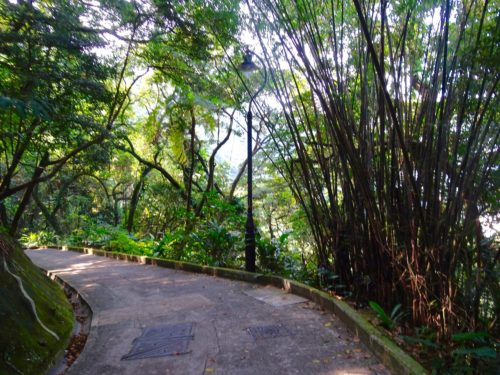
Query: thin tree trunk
(135, 198)
(27, 194)
(51, 219)
(192, 133)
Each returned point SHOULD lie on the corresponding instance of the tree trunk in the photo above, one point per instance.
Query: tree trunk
(135, 198)
(51, 219)
(191, 166)
(27, 194)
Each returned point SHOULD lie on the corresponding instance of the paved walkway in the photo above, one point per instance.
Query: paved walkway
(237, 328)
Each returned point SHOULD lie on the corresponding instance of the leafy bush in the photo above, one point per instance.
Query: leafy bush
(213, 244)
(40, 238)
(168, 247)
(214, 238)
(466, 352)
(269, 252)
(91, 233)
(123, 242)
(273, 255)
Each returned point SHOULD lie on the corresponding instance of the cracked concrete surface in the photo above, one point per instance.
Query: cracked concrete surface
(128, 297)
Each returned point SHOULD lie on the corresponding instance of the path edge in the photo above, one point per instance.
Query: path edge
(384, 348)
(92, 334)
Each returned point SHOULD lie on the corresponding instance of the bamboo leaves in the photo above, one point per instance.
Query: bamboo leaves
(387, 111)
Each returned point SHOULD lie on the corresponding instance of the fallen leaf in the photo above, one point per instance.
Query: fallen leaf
(328, 324)
(317, 361)
(357, 350)
(209, 370)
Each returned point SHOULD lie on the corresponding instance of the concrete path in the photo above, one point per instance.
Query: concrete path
(227, 319)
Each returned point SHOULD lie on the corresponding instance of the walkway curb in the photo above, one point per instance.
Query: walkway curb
(386, 350)
(83, 300)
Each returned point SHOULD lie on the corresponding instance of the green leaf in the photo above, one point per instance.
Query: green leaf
(382, 315)
(5, 102)
(468, 336)
(40, 109)
(177, 142)
(482, 352)
(19, 106)
(282, 239)
(417, 340)
(395, 310)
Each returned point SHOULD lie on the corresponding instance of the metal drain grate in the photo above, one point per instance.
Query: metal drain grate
(152, 350)
(268, 331)
(166, 332)
(160, 341)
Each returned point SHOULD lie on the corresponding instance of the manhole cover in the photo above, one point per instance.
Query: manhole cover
(159, 341)
(269, 331)
(166, 332)
(166, 348)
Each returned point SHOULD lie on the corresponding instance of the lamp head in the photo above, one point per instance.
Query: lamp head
(247, 67)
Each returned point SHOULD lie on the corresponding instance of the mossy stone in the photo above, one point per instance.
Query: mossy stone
(25, 346)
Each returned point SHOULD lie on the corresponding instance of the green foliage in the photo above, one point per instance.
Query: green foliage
(466, 353)
(275, 256)
(213, 244)
(111, 238)
(214, 239)
(90, 234)
(270, 252)
(122, 242)
(348, 179)
(387, 321)
(40, 238)
(166, 247)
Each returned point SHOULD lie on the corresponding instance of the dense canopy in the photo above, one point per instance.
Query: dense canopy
(375, 146)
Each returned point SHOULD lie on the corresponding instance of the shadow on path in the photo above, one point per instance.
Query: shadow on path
(237, 328)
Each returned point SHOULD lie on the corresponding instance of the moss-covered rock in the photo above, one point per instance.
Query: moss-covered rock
(26, 347)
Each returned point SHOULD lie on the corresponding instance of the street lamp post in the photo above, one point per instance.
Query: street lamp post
(247, 68)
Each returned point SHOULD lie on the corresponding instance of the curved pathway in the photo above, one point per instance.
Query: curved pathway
(236, 328)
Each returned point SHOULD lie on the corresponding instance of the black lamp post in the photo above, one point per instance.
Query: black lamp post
(247, 68)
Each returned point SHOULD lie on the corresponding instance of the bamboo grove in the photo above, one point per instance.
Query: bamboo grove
(389, 139)
(376, 141)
